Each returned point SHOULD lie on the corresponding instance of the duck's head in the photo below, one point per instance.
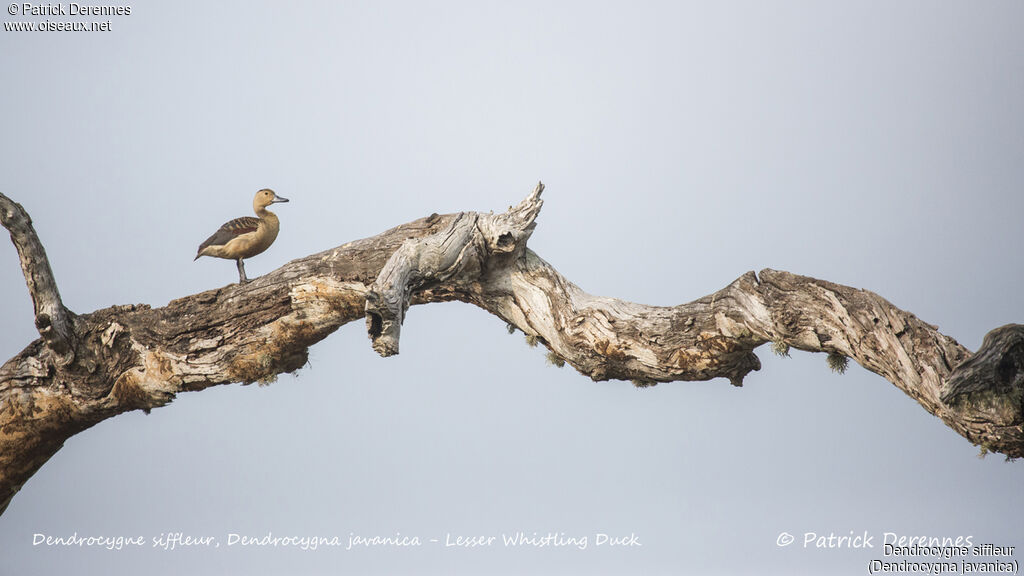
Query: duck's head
(265, 198)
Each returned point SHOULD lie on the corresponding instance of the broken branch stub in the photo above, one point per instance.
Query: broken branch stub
(456, 256)
(53, 320)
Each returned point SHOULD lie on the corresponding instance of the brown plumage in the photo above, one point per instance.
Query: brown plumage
(247, 236)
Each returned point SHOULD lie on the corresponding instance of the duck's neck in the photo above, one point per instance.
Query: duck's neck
(264, 214)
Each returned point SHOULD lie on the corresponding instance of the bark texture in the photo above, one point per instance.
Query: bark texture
(52, 320)
(90, 367)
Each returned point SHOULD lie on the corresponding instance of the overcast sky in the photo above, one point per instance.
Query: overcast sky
(874, 144)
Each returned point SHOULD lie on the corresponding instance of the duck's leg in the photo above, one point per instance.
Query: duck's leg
(241, 272)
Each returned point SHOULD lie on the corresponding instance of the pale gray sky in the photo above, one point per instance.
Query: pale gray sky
(879, 145)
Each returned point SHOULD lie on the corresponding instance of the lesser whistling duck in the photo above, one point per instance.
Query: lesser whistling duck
(245, 237)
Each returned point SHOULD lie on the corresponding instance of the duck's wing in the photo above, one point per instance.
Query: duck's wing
(230, 230)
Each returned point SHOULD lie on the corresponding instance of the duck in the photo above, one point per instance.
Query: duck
(245, 237)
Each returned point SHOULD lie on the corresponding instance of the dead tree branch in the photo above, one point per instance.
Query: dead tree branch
(133, 357)
(53, 320)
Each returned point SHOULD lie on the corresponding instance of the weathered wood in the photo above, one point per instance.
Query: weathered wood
(986, 391)
(455, 257)
(133, 357)
(53, 320)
